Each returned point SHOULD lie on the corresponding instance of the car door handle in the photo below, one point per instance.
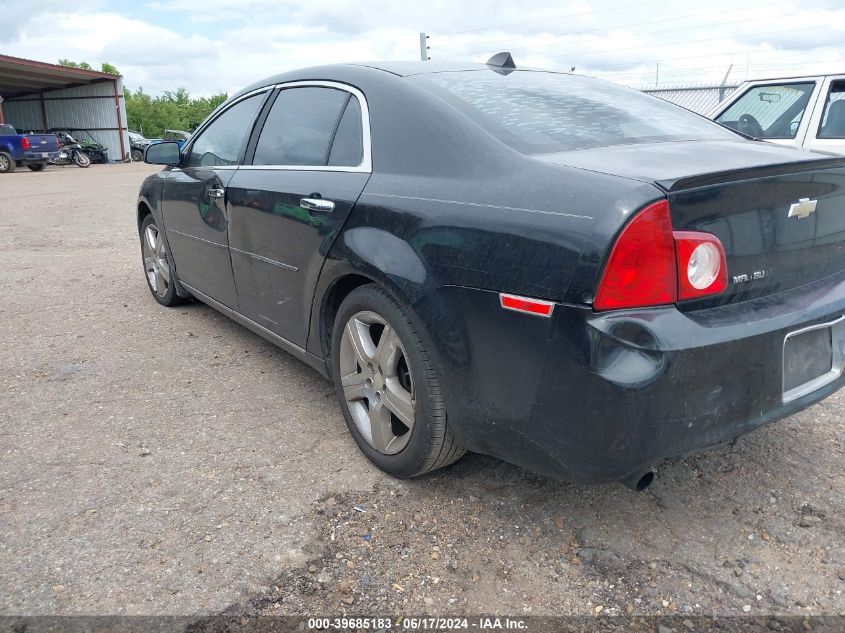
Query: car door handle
(317, 204)
(216, 193)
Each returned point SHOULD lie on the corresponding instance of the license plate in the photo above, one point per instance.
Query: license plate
(812, 357)
(45, 154)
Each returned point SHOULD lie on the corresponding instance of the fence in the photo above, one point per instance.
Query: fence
(698, 98)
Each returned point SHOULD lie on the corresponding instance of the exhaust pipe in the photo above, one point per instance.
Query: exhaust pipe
(640, 481)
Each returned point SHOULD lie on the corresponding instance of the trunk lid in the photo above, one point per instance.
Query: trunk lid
(749, 195)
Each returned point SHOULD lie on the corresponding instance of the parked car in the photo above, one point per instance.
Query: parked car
(180, 136)
(569, 275)
(30, 150)
(803, 112)
(138, 144)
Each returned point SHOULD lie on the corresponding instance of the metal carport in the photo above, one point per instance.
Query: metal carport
(39, 96)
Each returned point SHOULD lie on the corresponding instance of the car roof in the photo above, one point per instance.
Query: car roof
(351, 71)
(405, 69)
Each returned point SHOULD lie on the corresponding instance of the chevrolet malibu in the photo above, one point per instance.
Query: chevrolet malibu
(568, 275)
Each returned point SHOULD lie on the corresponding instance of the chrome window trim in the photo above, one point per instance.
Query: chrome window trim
(366, 165)
(201, 129)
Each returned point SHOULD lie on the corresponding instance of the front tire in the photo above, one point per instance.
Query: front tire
(157, 269)
(137, 155)
(82, 159)
(7, 163)
(387, 386)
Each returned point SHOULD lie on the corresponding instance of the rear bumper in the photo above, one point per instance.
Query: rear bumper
(595, 397)
(38, 157)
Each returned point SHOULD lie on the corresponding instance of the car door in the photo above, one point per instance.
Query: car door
(774, 111)
(827, 126)
(309, 164)
(194, 203)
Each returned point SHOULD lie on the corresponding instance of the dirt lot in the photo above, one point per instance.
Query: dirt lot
(161, 461)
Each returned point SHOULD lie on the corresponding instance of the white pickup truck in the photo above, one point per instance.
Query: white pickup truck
(803, 112)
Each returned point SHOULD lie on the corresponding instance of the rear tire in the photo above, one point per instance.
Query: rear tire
(36, 167)
(81, 159)
(161, 280)
(7, 163)
(387, 386)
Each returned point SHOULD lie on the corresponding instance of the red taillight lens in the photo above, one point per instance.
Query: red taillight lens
(25, 142)
(641, 270)
(702, 266)
(651, 265)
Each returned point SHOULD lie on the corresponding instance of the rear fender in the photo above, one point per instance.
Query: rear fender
(374, 254)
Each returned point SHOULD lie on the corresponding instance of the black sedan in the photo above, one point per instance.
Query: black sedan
(563, 273)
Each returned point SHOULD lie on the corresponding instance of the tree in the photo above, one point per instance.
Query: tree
(71, 64)
(105, 66)
(174, 109)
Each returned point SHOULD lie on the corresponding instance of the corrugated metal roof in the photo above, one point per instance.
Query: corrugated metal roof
(699, 98)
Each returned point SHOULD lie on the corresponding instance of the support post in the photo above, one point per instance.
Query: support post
(423, 47)
(724, 81)
(119, 121)
(44, 118)
(2, 120)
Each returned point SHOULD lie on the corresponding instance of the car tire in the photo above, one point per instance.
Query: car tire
(7, 163)
(82, 159)
(381, 367)
(161, 280)
(137, 155)
(36, 167)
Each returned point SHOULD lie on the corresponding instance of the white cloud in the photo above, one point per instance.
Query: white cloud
(212, 45)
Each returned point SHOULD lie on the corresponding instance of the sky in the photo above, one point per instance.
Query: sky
(209, 46)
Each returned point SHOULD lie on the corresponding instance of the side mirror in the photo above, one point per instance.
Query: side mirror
(164, 153)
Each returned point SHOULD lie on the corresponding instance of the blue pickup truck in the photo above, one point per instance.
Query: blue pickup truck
(30, 150)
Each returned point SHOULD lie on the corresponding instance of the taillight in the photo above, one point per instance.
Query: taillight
(25, 142)
(702, 267)
(651, 265)
(641, 270)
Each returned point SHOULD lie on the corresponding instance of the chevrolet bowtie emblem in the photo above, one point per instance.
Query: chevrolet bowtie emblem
(802, 208)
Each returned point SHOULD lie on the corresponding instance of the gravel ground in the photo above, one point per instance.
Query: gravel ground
(161, 461)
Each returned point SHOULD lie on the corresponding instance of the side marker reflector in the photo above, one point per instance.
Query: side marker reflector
(527, 305)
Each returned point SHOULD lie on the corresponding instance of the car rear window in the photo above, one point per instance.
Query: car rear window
(540, 112)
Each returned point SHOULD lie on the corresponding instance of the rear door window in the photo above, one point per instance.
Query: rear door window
(770, 111)
(300, 127)
(833, 116)
(348, 144)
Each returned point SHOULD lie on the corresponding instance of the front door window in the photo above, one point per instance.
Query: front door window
(772, 111)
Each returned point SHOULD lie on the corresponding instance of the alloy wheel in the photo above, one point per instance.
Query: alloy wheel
(155, 261)
(4, 163)
(377, 382)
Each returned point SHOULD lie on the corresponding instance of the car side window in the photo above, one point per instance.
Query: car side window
(348, 144)
(772, 111)
(833, 116)
(223, 141)
(300, 126)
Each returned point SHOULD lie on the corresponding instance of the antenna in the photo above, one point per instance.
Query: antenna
(502, 60)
